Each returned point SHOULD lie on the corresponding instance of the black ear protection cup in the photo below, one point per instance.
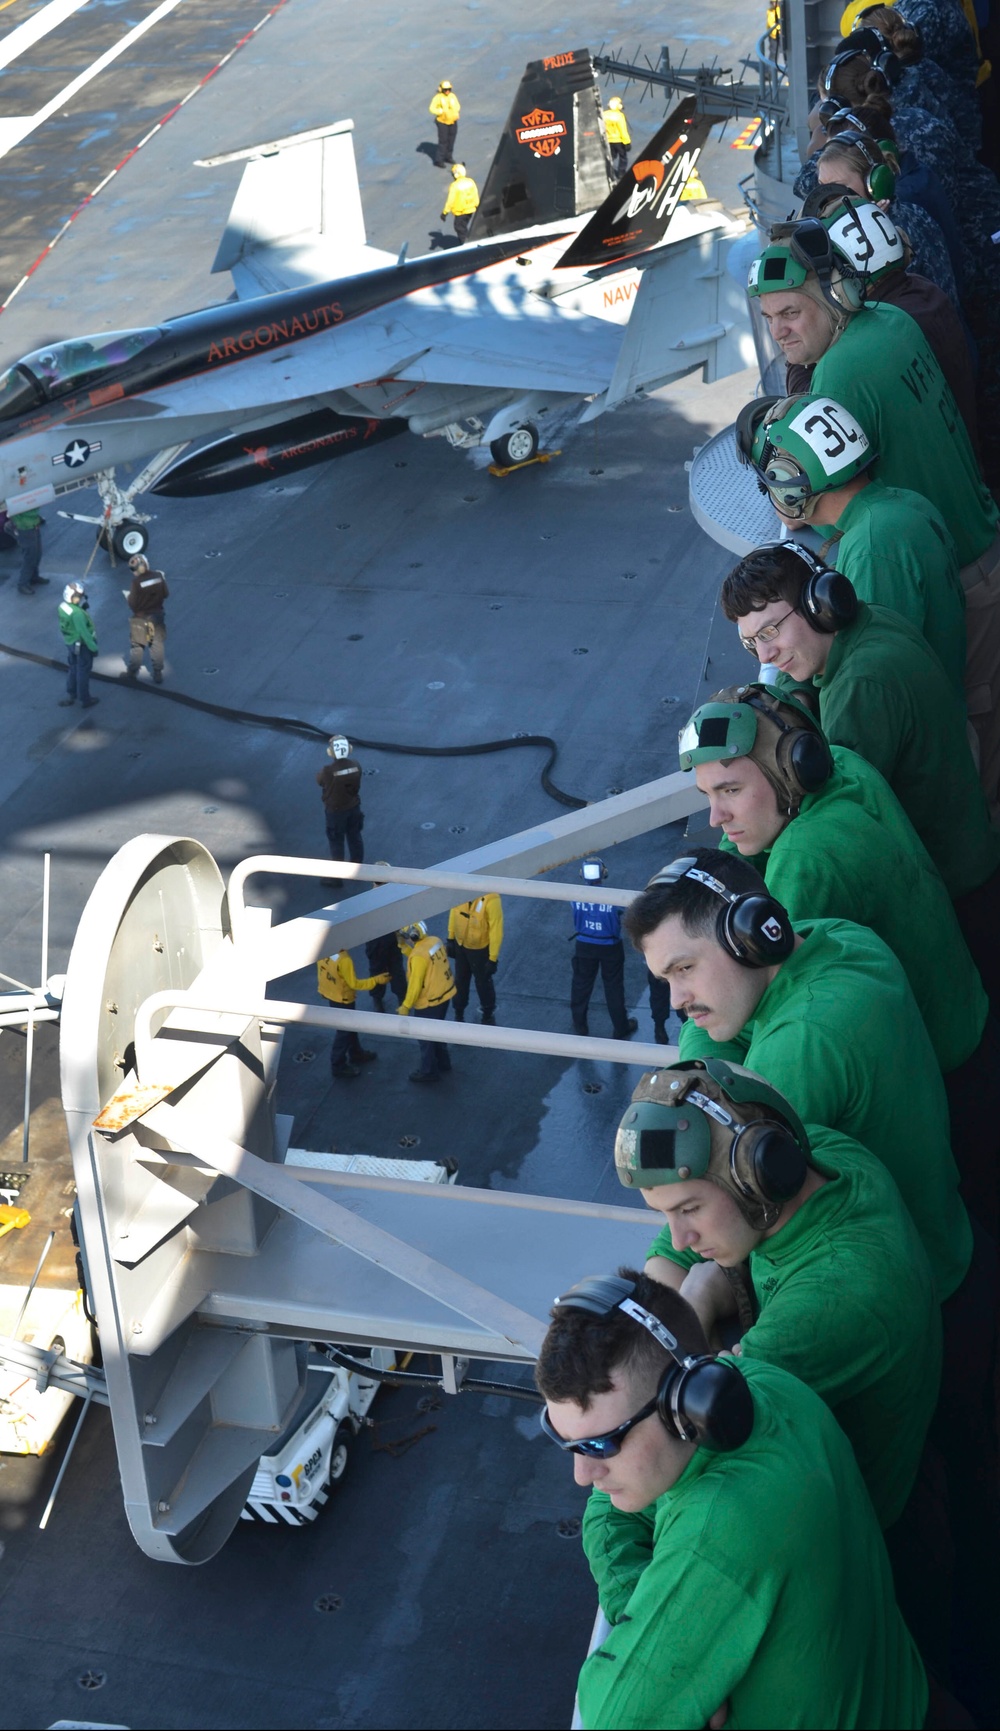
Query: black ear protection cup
(802, 756)
(828, 600)
(810, 245)
(699, 1400)
(880, 179)
(766, 1163)
(747, 422)
(751, 927)
(755, 929)
(869, 41)
(851, 51)
(706, 1402)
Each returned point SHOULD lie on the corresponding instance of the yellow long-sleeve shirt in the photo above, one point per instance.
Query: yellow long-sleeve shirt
(478, 923)
(445, 107)
(336, 979)
(428, 976)
(616, 127)
(463, 197)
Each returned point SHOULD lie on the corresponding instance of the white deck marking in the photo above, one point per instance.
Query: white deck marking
(25, 35)
(13, 130)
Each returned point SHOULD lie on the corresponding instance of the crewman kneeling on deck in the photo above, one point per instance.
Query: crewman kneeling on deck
(734, 1545)
(462, 201)
(429, 990)
(337, 981)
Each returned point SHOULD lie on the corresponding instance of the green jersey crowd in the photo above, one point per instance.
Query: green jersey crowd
(788, 1418)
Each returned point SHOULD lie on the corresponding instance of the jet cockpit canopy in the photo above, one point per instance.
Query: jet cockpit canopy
(60, 368)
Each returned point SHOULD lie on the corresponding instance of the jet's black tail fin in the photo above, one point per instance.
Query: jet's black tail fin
(552, 160)
(636, 214)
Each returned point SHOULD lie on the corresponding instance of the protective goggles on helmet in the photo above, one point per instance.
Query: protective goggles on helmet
(778, 473)
(717, 730)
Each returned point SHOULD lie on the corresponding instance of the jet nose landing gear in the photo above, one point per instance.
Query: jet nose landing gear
(125, 540)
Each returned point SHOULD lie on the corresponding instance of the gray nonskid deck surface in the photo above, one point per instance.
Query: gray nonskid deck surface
(404, 596)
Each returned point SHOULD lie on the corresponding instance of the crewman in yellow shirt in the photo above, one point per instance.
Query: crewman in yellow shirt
(617, 134)
(429, 989)
(462, 201)
(475, 933)
(446, 109)
(337, 981)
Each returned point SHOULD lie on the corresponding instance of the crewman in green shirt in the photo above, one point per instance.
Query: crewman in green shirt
(840, 1290)
(800, 1239)
(883, 693)
(875, 360)
(734, 1546)
(822, 1010)
(813, 460)
(831, 840)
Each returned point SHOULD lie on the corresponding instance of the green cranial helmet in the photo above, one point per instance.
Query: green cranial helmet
(775, 269)
(803, 258)
(717, 730)
(776, 732)
(800, 447)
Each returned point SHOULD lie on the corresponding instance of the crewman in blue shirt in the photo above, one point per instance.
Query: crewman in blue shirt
(599, 948)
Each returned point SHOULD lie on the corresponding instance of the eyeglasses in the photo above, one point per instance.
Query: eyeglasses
(600, 1448)
(767, 633)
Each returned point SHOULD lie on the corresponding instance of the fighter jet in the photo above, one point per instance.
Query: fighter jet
(330, 345)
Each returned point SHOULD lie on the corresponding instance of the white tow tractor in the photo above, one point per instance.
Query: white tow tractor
(293, 1481)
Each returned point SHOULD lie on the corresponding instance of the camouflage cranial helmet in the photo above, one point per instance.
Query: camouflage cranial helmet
(716, 1121)
(801, 447)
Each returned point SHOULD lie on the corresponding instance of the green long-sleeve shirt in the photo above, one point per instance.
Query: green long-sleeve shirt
(896, 549)
(839, 1033)
(759, 1578)
(882, 369)
(848, 1304)
(77, 626)
(852, 854)
(884, 694)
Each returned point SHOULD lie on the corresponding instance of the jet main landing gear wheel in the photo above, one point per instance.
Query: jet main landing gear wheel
(516, 447)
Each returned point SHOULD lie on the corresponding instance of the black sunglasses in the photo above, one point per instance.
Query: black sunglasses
(600, 1448)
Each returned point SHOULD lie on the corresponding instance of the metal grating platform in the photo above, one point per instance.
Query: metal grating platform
(725, 499)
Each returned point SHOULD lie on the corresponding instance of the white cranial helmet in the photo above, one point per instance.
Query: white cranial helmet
(339, 746)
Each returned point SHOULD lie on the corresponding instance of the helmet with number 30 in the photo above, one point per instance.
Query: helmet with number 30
(865, 236)
(801, 447)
